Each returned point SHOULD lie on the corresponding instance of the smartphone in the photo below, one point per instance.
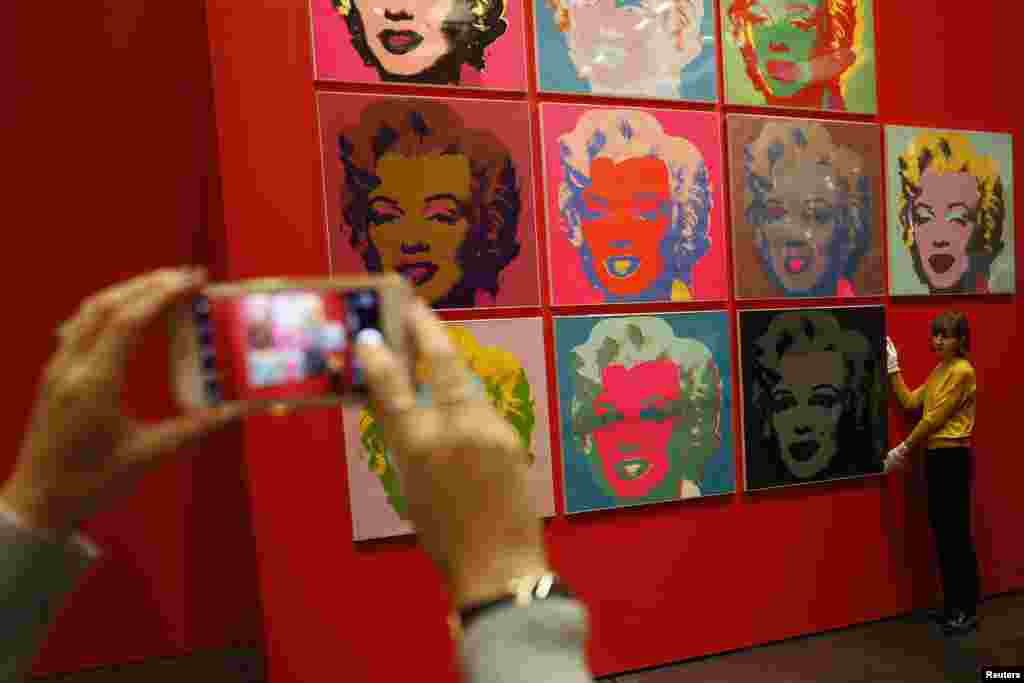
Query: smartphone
(283, 342)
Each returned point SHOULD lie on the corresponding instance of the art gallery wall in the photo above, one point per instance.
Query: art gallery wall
(666, 582)
(663, 582)
(109, 160)
(114, 150)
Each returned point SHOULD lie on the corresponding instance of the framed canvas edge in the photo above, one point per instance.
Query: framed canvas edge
(817, 482)
(323, 180)
(669, 501)
(314, 61)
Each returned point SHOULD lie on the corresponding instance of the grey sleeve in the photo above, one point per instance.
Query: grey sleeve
(543, 641)
(35, 576)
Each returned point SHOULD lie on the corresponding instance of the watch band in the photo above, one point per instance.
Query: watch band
(522, 592)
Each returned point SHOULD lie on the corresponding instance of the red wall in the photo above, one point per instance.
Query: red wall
(109, 167)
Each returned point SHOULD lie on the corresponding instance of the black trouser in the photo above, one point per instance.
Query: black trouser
(949, 472)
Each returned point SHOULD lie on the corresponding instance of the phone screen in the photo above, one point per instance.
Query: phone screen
(284, 345)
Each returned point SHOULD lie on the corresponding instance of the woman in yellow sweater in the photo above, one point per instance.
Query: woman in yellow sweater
(948, 402)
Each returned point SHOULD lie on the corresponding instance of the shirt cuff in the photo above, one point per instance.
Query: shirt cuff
(77, 545)
(541, 641)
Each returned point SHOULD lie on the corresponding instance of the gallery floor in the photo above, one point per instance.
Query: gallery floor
(895, 650)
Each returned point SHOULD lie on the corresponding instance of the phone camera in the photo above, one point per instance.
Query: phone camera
(201, 306)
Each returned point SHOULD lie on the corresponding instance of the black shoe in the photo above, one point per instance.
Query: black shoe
(937, 615)
(960, 623)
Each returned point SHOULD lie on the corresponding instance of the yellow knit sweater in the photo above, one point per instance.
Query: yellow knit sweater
(948, 398)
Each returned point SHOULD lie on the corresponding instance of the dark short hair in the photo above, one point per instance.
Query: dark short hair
(954, 324)
(416, 128)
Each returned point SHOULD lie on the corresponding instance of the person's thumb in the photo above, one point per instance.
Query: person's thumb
(388, 380)
(170, 435)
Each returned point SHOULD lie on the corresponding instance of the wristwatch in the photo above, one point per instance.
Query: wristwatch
(521, 592)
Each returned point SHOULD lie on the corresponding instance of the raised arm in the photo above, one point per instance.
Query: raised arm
(910, 400)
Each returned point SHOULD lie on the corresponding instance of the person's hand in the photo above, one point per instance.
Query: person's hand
(896, 458)
(80, 449)
(892, 358)
(462, 467)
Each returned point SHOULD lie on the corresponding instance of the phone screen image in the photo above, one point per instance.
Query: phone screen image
(284, 345)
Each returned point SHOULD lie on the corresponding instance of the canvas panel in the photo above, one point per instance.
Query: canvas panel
(818, 54)
(634, 205)
(806, 208)
(646, 408)
(627, 48)
(814, 394)
(951, 224)
(420, 42)
(508, 358)
(438, 190)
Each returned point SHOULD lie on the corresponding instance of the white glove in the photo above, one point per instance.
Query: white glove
(892, 358)
(896, 457)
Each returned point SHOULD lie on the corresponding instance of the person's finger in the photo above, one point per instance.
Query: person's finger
(152, 441)
(391, 390)
(447, 376)
(129, 320)
(79, 332)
